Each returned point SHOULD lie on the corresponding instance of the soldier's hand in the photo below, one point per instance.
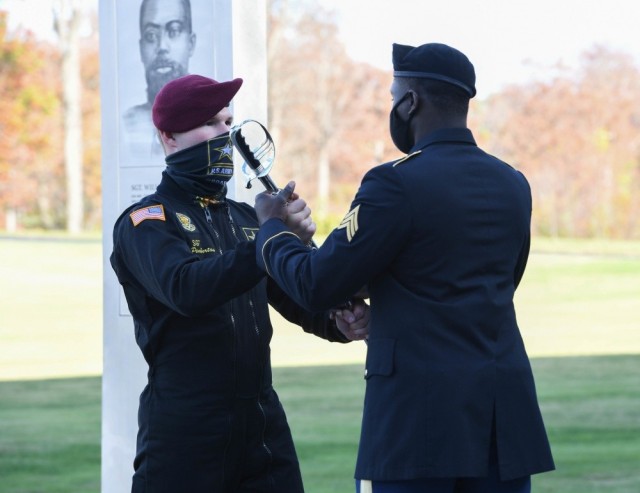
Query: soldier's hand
(299, 219)
(269, 206)
(353, 322)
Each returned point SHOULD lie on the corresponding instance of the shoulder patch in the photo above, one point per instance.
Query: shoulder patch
(152, 212)
(350, 223)
(406, 158)
(186, 222)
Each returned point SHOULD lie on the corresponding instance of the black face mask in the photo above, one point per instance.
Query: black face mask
(203, 169)
(400, 130)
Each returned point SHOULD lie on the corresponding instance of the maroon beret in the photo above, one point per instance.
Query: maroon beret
(190, 101)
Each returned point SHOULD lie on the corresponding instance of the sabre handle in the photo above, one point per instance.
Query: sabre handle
(254, 163)
(269, 184)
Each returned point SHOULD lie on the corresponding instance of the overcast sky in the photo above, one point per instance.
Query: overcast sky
(508, 41)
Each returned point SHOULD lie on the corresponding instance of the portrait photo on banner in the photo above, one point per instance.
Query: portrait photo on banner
(157, 41)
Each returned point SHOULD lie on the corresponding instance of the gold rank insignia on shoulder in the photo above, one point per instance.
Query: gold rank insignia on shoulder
(186, 223)
(350, 223)
(402, 160)
(152, 212)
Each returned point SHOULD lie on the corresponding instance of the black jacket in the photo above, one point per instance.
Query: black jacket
(442, 239)
(200, 310)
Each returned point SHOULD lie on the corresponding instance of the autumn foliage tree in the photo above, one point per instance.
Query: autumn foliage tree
(577, 138)
(32, 173)
(30, 169)
(326, 112)
(92, 159)
(67, 23)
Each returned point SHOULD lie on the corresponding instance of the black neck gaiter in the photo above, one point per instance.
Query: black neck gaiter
(204, 169)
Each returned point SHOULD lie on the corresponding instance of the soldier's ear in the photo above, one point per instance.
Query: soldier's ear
(414, 101)
(168, 141)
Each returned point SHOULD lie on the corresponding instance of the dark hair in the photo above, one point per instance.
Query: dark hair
(445, 97)
(187, 13)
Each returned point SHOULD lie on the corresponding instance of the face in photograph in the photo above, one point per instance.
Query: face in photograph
(166, 41)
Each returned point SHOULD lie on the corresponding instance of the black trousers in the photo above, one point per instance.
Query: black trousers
(246, 448)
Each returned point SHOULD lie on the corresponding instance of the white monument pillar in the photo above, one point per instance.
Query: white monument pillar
(230, 41)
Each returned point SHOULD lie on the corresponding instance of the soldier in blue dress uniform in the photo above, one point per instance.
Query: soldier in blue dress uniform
(440, 238)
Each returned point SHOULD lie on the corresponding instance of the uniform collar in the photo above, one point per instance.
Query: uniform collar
(450, 135)
(170, 188)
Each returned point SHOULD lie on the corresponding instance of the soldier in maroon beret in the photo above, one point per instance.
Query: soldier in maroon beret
(209, 419)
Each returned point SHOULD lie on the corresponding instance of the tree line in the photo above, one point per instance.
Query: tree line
(576, 137)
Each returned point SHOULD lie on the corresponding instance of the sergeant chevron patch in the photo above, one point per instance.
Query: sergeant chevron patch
(350, 223)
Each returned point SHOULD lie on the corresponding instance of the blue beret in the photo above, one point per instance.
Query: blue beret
(191, 101)
(435, 61)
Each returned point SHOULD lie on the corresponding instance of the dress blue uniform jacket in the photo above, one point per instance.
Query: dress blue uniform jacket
(441, 239)
(209, 419)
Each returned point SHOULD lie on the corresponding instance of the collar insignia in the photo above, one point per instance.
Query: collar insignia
(206, 201)
(350, 223)
(250, 233)
(402, 160)
(186, 223)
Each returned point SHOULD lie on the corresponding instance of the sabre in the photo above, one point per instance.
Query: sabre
(255, 145)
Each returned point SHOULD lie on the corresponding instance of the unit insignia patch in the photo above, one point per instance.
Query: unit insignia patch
(186, 223)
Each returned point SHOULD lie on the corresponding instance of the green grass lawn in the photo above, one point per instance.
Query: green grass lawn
(50, 436)
(590, 405)
(578, 308)
(50, 308)
(50, 429)
(579, 303)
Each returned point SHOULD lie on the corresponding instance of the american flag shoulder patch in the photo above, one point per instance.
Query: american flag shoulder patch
(151, 212)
